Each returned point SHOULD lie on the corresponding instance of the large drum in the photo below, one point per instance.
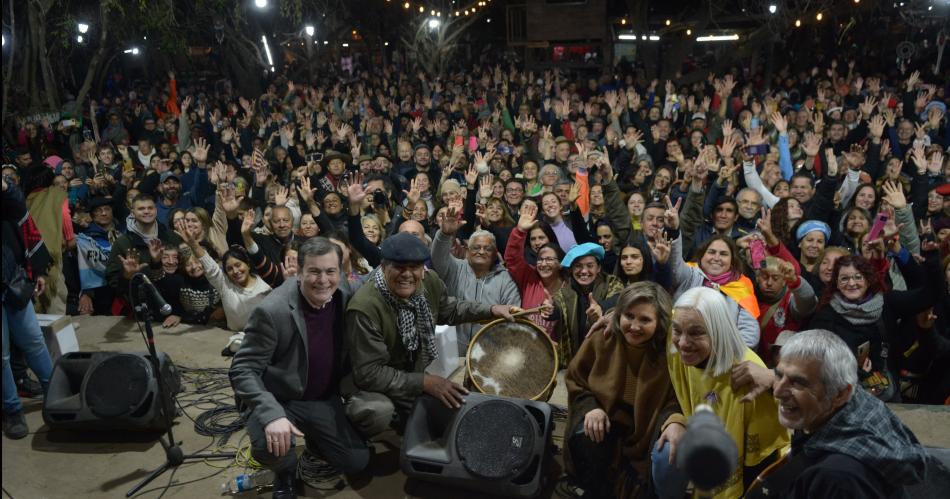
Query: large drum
(513, 359)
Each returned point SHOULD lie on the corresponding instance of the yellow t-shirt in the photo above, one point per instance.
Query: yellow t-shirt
(754, 426)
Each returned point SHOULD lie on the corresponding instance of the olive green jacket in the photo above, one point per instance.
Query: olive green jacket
(380, 362)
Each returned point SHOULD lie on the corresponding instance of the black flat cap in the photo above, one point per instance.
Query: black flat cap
(404, 248)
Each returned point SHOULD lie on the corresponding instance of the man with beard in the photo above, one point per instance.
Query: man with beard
(390, 337)
(170, 195)
(478, 278)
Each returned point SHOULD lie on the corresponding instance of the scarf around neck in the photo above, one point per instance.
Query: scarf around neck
(414, 318)
(722, 279)
(866, 312)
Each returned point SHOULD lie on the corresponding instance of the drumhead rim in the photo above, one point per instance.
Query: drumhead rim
(471, 343)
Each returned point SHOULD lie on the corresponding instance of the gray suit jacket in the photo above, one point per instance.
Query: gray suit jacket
(271, 365)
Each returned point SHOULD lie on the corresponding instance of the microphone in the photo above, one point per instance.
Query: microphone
(151, 293)
(707, 453)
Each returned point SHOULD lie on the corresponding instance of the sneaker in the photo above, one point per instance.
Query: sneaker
(14, 425)
(29, 388)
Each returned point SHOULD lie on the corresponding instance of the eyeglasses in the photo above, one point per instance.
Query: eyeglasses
(514, 190)
(844, 279)
(547, 259)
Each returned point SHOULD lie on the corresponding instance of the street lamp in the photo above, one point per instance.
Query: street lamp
(260, 4)
(308, 29)
(772, 8)
(133, 51)
(83, 27)
(79, 38)
(434, 23)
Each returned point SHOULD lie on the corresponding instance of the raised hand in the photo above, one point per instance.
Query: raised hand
(247, 222)
(471, 175)
(485, 186)
(452, 221)
(671, 217)
(355, 193)
(660, 247)
(876, 127)
(131, 264)
(156, 249)
(527, 215)
(186, 236)
(281, 195)
(832, 161)
(413, 194)
(229, 201)
(894, 194)
(779, 122)
(811, 144)
(304, 191)
(729, 144)
(290, 267)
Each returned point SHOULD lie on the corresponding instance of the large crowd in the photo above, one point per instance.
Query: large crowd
(696, 226)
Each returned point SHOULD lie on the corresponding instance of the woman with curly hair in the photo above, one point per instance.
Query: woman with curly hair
(856, 306)
(785, 217)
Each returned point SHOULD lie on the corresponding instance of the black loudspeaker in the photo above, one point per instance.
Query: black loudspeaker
(492, 444)
(109, 391)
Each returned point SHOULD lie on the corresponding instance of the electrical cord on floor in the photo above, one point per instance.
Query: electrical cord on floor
(318, 473)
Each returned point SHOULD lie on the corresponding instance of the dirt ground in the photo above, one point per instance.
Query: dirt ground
(56, 464)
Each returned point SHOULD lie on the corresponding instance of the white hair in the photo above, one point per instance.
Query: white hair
(727, 347)
(839, 368)
(484, 233)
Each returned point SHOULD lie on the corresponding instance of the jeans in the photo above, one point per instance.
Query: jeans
(21, 327)
(668, 480)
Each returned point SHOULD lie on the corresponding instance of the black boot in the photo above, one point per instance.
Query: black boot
(14, 425)
(285, 485)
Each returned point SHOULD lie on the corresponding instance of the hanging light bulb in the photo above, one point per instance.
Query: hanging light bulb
(819, 16)
(798, 23)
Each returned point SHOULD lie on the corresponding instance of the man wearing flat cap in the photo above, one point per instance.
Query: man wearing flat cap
(390, 336)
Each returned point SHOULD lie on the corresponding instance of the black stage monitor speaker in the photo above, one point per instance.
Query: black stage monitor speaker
(496, 445)
(109, 391)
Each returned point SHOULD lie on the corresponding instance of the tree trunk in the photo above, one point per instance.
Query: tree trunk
(52, 93)
(93, 66)
(8, 68)
(30, 80)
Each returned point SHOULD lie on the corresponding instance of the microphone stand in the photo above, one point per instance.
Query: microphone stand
(174, 456)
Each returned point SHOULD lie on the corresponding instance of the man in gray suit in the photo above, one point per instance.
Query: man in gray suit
(286, 374)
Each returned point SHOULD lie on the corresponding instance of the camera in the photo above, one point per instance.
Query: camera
(379, 198)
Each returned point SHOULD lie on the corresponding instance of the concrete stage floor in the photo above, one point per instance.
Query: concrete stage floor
(66, 465)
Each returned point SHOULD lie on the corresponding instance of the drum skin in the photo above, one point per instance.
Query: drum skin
(512, 359)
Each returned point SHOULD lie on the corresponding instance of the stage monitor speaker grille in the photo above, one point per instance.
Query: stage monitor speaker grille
(495, 439)
(118, 385)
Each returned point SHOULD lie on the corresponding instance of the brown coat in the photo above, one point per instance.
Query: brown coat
(596, 378)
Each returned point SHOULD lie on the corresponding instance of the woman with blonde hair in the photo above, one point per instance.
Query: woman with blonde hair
(702, 349)
(620, 397)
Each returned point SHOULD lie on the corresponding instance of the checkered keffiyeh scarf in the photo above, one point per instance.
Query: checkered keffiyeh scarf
(414, 319)
(870, 433)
